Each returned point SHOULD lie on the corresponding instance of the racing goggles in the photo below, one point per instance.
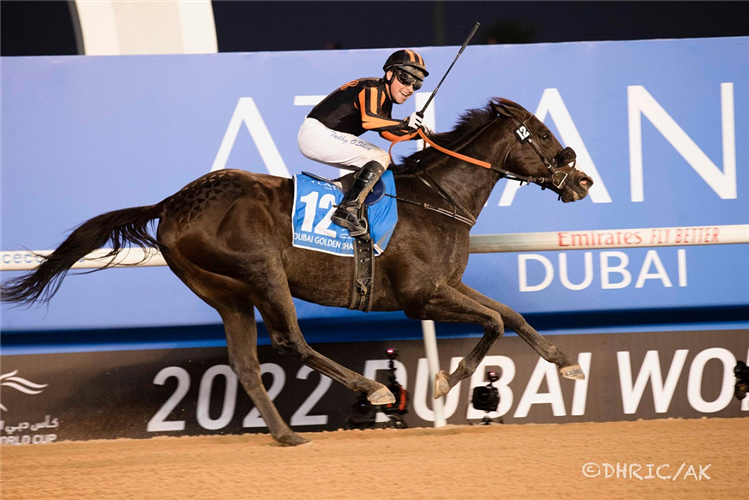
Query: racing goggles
(408, 79)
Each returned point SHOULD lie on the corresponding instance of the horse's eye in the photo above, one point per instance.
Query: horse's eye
(546, 136)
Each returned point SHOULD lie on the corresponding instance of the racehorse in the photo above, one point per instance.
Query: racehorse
(228, 237)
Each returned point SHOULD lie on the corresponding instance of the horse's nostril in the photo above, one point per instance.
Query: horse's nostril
(586, 182)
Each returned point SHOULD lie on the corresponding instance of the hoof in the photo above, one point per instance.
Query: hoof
(441, 384)
(291, 439)
(381, 396)
(573, 372)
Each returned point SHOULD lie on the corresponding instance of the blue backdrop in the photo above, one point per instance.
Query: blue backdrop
(661, 126)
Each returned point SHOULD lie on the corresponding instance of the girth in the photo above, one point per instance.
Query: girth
(364, 267)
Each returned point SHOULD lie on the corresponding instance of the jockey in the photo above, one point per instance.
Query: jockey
(330, 132)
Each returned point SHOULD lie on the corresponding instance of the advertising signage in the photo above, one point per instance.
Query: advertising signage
(657, 124)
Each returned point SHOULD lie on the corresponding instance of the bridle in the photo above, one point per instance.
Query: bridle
(522, 133)
(558, 178)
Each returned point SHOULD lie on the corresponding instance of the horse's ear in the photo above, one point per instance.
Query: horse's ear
(503, 106)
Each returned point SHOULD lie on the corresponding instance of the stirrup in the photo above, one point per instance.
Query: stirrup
(361, 231)
(356, 227)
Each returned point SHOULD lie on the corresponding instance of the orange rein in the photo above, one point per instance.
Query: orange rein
(438, 148)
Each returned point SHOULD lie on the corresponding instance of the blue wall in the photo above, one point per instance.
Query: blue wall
(85, 135)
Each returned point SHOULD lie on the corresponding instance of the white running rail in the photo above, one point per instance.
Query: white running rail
(25, 260)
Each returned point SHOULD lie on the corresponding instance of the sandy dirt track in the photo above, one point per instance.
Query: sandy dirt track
(454, 462)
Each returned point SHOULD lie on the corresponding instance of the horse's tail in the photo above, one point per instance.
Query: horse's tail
(121, 227)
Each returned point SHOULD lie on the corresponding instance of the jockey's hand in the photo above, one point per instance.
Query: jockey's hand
(414, 121)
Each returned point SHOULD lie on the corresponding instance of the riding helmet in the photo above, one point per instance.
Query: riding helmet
(408, 61)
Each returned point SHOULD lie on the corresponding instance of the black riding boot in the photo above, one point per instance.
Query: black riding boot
(346, 213)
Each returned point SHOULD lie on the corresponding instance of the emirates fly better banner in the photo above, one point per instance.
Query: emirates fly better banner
(658, 125)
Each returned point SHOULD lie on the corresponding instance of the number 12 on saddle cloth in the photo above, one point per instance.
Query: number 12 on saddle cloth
(315, 202)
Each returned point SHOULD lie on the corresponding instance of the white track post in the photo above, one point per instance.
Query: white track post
(433, 361)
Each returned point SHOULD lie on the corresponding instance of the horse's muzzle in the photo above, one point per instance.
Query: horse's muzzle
(577, 188)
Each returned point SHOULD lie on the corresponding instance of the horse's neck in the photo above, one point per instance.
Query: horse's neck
(470, 184)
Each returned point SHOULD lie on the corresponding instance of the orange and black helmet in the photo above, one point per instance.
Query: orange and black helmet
(408, 61)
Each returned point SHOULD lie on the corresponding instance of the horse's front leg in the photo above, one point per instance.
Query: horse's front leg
(450, 305)
(568, 367)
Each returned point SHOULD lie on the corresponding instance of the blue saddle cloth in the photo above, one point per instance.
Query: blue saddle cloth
(315, 201)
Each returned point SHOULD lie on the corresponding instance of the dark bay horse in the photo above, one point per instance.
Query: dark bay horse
(228, 237)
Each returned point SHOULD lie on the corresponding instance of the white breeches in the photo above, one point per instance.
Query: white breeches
(337, 149)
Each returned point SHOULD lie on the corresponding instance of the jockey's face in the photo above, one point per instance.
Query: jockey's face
(399, 93)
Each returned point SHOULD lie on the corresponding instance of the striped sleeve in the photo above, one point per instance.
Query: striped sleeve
(370, 106)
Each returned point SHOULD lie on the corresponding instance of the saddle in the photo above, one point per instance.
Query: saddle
(344, 184)
(364, 261)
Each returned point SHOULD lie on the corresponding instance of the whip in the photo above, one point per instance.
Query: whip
(470, 35)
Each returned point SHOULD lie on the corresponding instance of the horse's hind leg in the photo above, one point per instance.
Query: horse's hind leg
(241, 339)
(568, 367)
(279, 315)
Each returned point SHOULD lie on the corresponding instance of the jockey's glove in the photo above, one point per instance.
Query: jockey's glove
(413, 122)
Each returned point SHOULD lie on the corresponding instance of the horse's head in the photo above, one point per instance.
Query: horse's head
(538, 156)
